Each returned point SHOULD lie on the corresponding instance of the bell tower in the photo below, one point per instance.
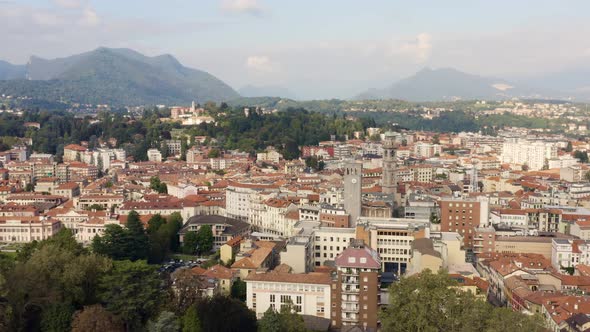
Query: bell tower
(389, 177)
(352, 190)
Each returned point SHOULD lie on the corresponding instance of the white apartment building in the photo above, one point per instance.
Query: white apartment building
(510, 217)
(534, 154)
(181, 190)
(309, 293)
(329, 242)
(239, 196)
(154, 155)
(563, 161)
(580, 229)
(272, 216)
(569, 253)
(270, 156)
(427, 150)
(88, 230)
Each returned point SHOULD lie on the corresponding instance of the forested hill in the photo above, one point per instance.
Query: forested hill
(234, 130)
(116, 77)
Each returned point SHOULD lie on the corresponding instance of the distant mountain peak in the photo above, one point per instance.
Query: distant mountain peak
(430, 84)
(119, 76)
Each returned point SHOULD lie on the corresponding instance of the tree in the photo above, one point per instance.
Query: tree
(155, 222)
(95, 207)
(270, 321)
(569, 147)
(120, 243)
(434, 218)
(68, 278)
(587, 176)
(291, 150)
(187, 289)
(158, 185)
(204, 239)
(57, 317)
(96, 318)
(131, 291)
(214, 153)
(190, 320)
(375, 138)
(174, 224)
(189, 245)
(236, 317)
(238, 290)
(166, 322)
(582, 156)
(286, 320)
(424, 302)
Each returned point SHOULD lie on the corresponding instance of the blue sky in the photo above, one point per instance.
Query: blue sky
(317, 49)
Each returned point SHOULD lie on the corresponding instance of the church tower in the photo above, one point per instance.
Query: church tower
(389, 177)
(352, 190)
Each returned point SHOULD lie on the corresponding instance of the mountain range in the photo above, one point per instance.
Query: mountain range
(451, 84)
(112, 76)
(124, 77)
(266, 91)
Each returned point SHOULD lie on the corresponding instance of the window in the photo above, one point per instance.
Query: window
(272, 297)
(352, 259)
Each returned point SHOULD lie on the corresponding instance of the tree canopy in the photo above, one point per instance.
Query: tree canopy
(432, 302)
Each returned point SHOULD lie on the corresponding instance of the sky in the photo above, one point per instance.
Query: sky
(315, 48)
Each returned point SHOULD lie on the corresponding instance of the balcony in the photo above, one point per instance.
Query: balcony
(350, 308)
(350, 318)
(350, 290)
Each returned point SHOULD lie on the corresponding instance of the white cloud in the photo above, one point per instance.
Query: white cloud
(89, 18)
(261, 63)
(45, 18)
(418, 49)
(71, 4)
(252, 7)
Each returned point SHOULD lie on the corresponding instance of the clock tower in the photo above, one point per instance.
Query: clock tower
(352, 190)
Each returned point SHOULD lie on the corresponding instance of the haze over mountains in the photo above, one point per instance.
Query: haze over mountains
(113, 76)
(451, 84)
(126, 77)
(266, 91)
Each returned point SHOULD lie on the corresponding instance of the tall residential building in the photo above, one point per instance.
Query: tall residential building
(355, 292)
(535, 155)
(389, 180)
(464, 216)
(352, 190)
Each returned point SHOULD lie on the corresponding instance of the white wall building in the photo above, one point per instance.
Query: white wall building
(154, 155)
(569, 253)
(534, 154)
(309, 293)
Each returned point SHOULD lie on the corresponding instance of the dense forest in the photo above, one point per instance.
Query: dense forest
(234, 130)
(115, 285)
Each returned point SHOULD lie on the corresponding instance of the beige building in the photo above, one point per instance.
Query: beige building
(309, 293)
(424, 257)
(19, 229)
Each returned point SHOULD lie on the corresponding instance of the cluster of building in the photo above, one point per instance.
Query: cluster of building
(507, 216)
